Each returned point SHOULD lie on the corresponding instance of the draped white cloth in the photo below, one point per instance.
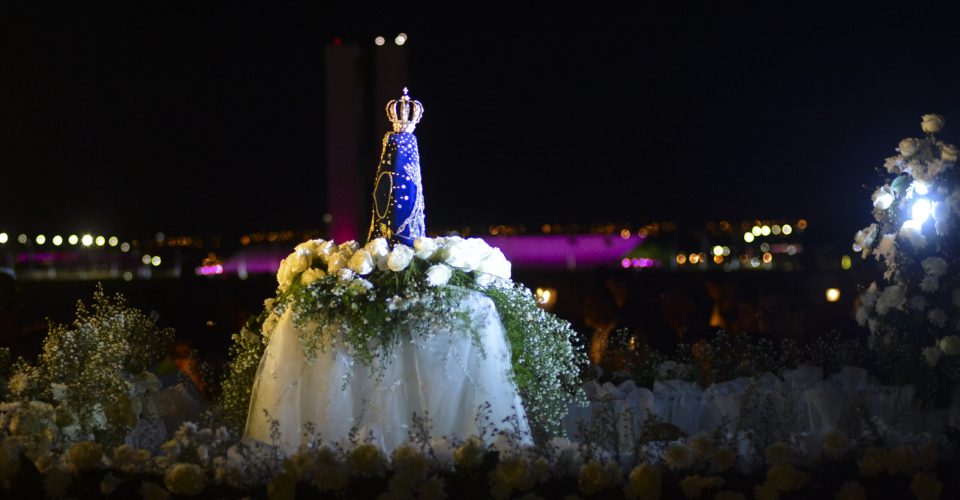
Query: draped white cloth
(443, 375)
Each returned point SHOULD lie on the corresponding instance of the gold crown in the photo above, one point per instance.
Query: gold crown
(404, 113)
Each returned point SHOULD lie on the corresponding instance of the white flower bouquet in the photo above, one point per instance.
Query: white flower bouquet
(368, 299)
(914, 312)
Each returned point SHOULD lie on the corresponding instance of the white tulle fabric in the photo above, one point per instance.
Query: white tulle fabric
(441, 374)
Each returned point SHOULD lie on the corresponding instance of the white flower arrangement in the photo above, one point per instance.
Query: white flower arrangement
(93, 374)
(367, 299)
(915, 238)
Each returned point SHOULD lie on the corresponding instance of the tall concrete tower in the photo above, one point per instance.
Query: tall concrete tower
(361, 76)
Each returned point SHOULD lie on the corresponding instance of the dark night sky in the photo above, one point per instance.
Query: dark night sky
(210, 118)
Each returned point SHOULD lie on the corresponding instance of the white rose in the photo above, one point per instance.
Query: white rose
(325, 249)
(477, 252)
(495, 264)
(399, 258)
(909, 146)
(378, 249)
(361, 262)
(865, 238)
(892, 297)
(425, 247)
(439, 274)
(454, 254)
(949, 152)
(883, 198)
(932, 355)
(465, 254)
(336, 262)
(348, 247)
(934, 266)
(932, 124)
(311, 275)
(950, 345)
(299, 261)
(887, 247)
(310, 246)
(284, 276)
(346, 274)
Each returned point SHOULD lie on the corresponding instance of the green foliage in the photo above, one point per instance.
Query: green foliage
(374, 315)
(546, 361)
(245, 353)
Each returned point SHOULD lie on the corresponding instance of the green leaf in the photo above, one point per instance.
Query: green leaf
(900, 184)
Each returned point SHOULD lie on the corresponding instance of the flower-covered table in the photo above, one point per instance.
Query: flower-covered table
(461, 386)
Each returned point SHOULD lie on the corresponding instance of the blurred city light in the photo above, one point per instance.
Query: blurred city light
(41, 239)
(846, 262)
(73, 239)
(57, 240)
(155, 260)
(748, 237)
(101, 241)
(786, 229)
(546, 297)
(3, 238)
(379, 41)
(125, 247)
(400, 39)
(833, 294)
(86, 240)
(114, 241)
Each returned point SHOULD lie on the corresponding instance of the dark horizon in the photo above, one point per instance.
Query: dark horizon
(210, 118)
